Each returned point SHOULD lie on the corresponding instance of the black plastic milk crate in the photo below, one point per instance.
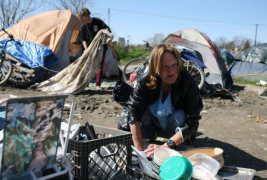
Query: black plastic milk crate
(100, 158)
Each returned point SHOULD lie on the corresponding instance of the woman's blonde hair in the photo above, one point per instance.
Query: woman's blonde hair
(84, 12)
(156, 58)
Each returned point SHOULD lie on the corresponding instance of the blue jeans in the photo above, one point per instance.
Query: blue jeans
(177, 119)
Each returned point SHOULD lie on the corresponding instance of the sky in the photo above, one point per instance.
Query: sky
(139, 20)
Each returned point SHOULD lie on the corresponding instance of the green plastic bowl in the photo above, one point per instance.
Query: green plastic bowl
(175, 168)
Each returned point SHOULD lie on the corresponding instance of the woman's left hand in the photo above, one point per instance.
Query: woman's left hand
(152, 147)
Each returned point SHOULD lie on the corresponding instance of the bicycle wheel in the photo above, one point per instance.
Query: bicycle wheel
(197, 73)
(6, 69)
(132, 70)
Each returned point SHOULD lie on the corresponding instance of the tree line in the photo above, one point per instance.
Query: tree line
(237, 44)
(12, 11)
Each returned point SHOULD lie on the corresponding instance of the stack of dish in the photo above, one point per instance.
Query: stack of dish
(170, 164)
(162, 154)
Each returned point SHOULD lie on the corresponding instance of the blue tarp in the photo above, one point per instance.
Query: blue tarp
(227, 56)
(192, 57)
(30, 54)
(190, 54)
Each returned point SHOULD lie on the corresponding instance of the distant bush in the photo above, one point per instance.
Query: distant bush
(244, 82)
(131, 52)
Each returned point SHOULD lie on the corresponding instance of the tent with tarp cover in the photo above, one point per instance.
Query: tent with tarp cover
(251, 64)
(42, 35)
(30, 61)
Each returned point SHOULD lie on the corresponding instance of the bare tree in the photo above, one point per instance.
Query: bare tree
(230, 45)
(157, 39)
(238, 41)
(241, 41)
(74, 5)
(221, 42)
(12, 11)
(151, 41)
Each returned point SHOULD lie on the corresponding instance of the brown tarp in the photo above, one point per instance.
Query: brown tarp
(45, 29)
(77, 76)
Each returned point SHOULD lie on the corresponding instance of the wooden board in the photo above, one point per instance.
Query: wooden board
(20, 71)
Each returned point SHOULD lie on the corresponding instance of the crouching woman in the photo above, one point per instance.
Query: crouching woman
(165, 103)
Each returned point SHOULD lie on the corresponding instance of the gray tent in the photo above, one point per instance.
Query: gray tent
(217, 77)
(252, 64)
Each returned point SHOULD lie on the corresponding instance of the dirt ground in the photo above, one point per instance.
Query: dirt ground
(238, 127)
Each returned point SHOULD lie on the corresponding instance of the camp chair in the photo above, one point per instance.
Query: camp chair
(31, 138)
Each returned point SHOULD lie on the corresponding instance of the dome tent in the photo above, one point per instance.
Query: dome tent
(56, 30)
(216, 75)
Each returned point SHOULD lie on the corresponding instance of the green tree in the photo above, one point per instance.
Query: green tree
(134, 51)
(247, 45)
(230, 45)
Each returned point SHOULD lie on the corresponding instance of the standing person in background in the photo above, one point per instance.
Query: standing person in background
(88, 31)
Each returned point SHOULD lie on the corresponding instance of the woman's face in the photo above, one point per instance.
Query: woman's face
(169, 69)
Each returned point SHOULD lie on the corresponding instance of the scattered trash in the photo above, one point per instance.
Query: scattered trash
(81, 137)
(67, 107)
(79, 115)
(262, 83)
(73, 130)
(240, 100)
(264, 94)
(258, 118)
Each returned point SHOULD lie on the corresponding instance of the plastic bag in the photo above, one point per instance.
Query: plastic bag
(122, 92)
(123, 120)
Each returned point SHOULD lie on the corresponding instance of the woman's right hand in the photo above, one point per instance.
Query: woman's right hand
(137, 136)
(152, 147)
